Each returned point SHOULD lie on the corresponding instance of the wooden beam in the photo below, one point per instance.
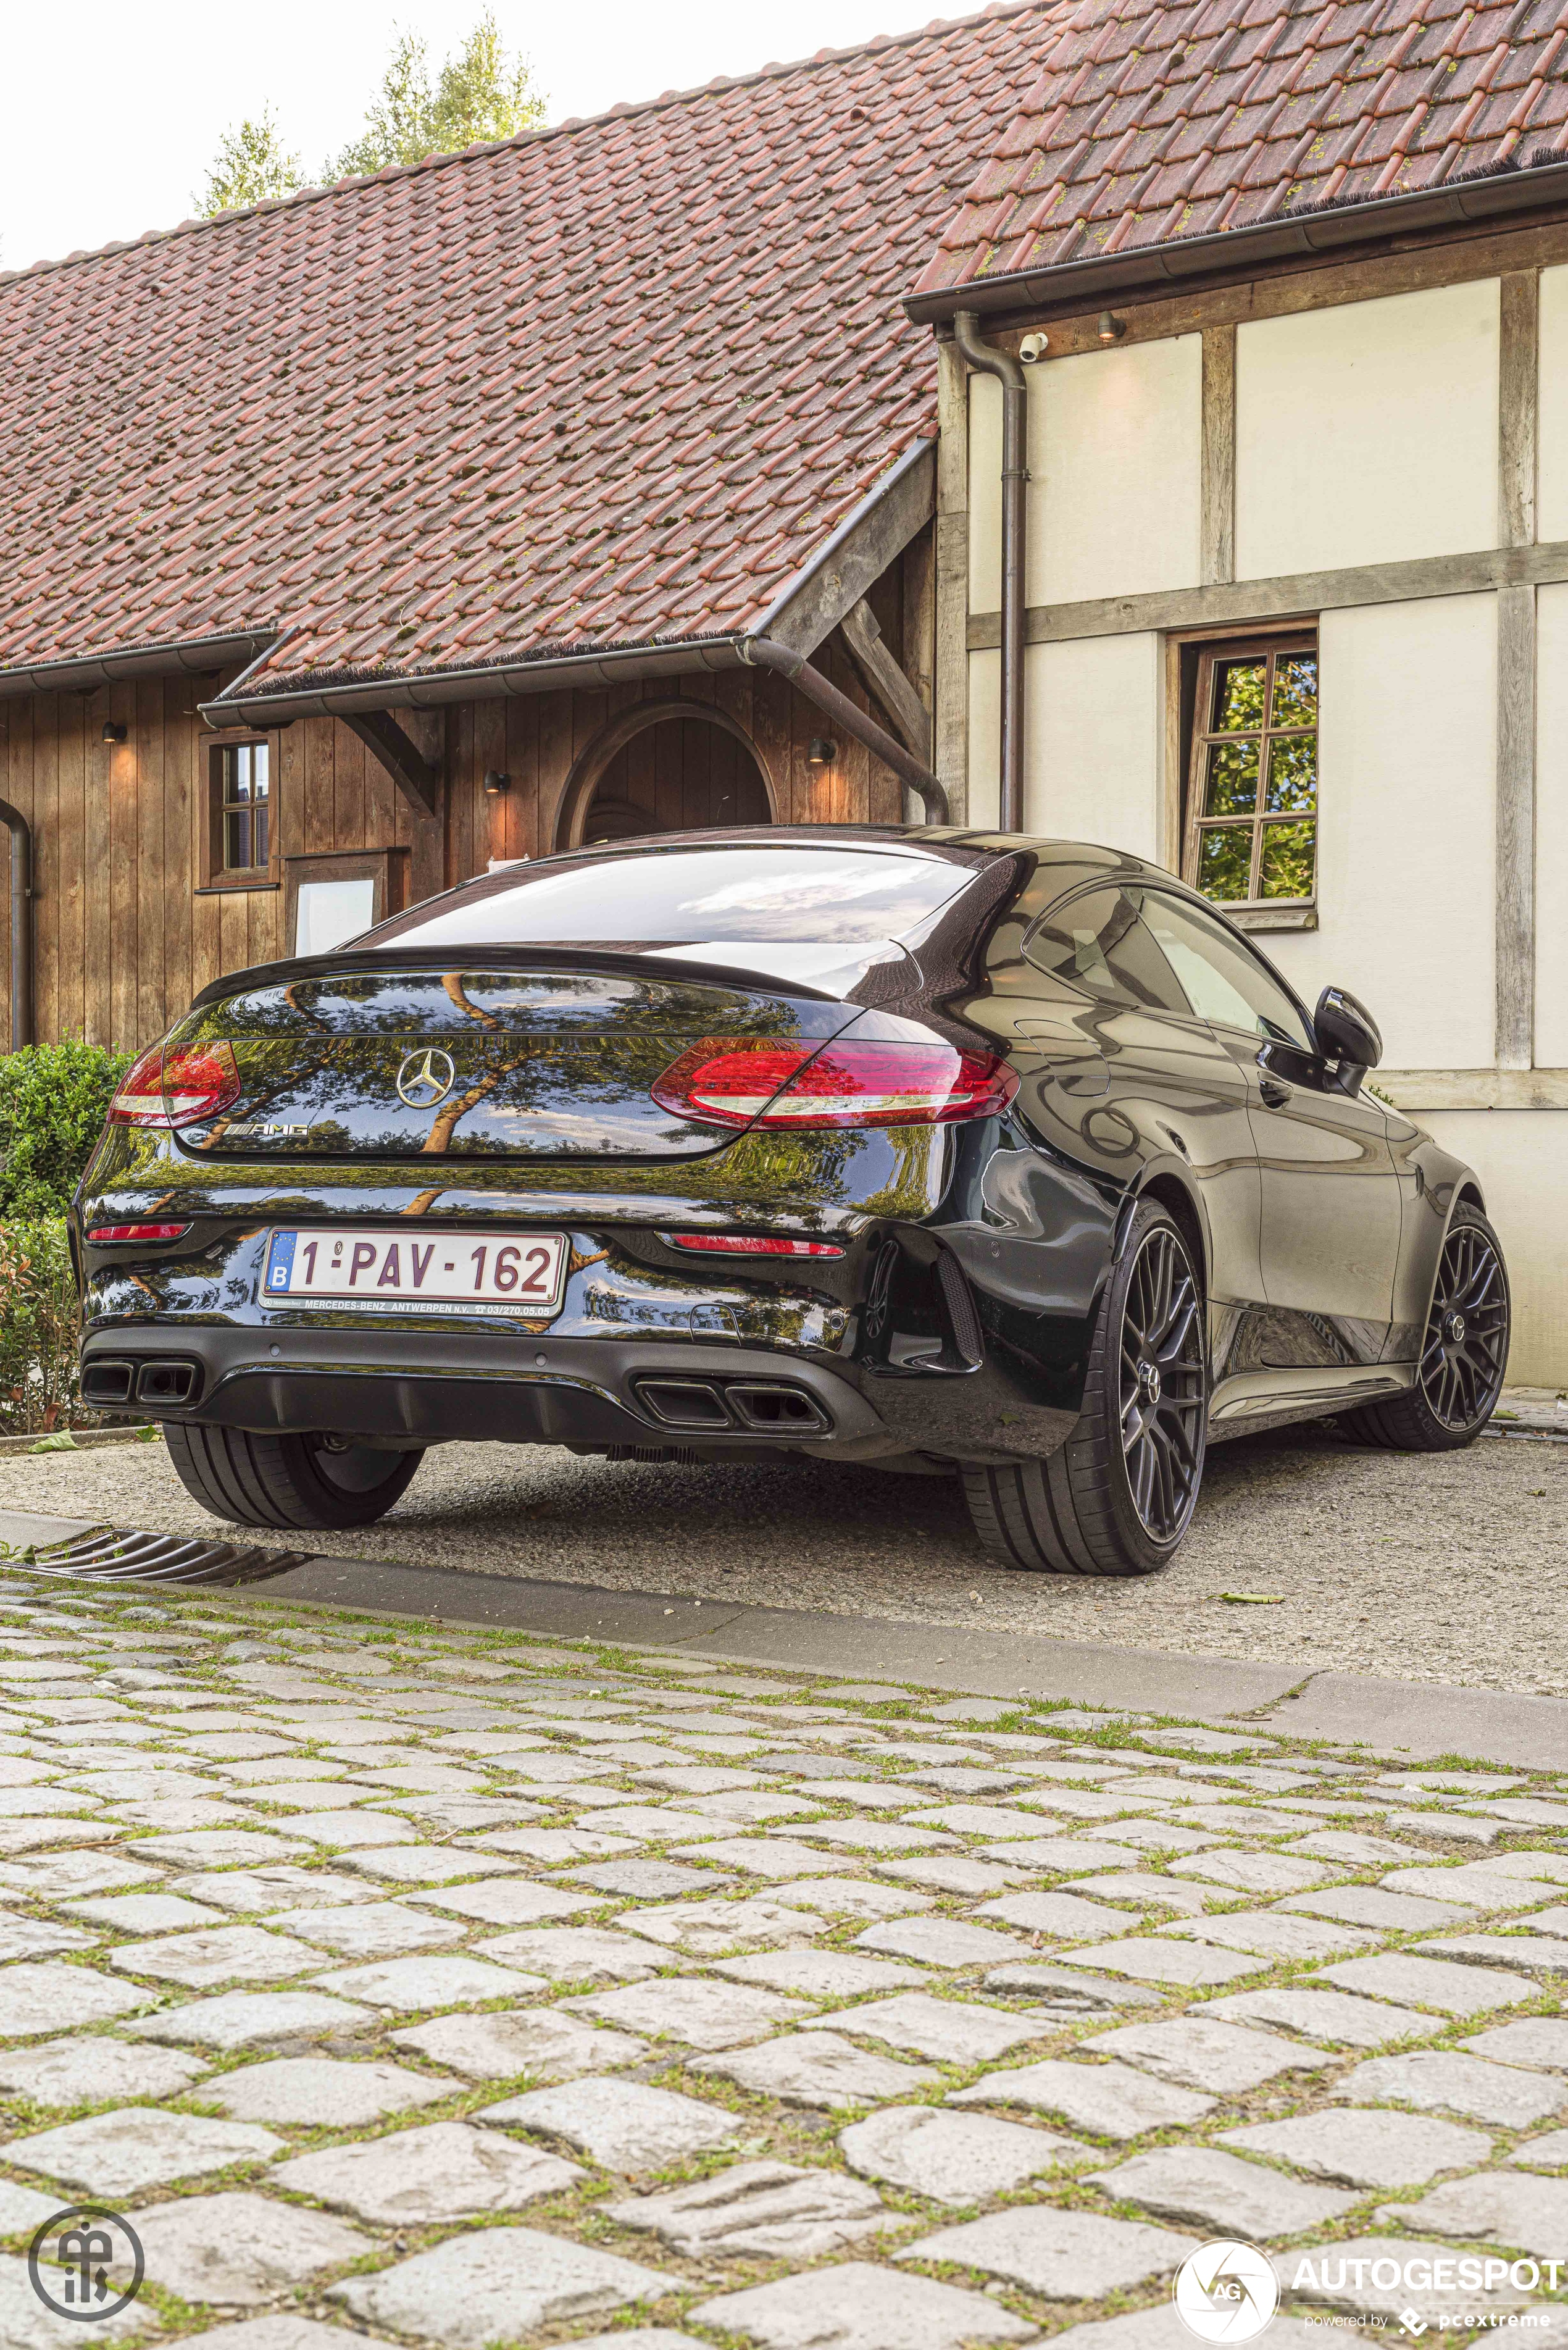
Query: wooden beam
(1430, 1089)
(863, 635)
(416, 777)
(1217, 512)
(886, 527)
(1518, 401)
(950, 759)
(1515, 930)
(1301, 596)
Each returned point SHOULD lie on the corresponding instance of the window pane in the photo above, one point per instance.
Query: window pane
(1295, 690)
(328, 912)
(1098, 942)
(1238, 694)
(237, 838)
(1225, 861)
(1292, 773)
(1226, 982)
(259, 834)
(1232, 787)
(1288, 857)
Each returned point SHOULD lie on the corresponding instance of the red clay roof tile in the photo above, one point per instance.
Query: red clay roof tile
(609, 382)
(1148, 123)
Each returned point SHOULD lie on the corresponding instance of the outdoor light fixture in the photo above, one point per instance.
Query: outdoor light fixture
(821, 752)
(113, 732)
(495, 783)
(1112, 328)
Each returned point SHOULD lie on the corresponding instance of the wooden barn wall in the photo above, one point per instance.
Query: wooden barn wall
(124, 936)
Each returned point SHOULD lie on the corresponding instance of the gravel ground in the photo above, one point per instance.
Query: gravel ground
(1453, 1569)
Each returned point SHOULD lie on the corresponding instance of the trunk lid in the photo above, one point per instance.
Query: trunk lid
(542, 1063)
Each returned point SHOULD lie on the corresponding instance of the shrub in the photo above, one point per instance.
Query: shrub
(37, 1327)
(54, 1099)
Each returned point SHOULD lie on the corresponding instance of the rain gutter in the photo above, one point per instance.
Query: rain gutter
(1148, 269)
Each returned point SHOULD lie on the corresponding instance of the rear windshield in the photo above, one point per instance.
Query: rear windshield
(744, 895)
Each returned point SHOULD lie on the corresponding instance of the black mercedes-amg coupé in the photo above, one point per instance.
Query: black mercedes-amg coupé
(927, 1149)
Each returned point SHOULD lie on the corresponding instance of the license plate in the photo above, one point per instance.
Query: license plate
(397, 1273)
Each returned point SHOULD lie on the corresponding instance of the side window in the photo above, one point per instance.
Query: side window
(1098, 942)
(1225, 982)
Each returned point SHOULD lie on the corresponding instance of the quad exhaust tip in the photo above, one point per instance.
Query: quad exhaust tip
(757, 1406)
(167, 1380)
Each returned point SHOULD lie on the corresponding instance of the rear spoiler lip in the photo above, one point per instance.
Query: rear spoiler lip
(502, 958)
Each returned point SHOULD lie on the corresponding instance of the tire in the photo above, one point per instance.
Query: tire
(288, 1481)
(1461, 1371)
(1108, 1503)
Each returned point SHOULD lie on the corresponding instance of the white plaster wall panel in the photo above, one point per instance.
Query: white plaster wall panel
(1519, 1156)
(1094, 741)
(984, 494)
(1551, 461)
(1552, 828)
(1114, 464)
(1406, 827)
(984, 739)
(1367, 433)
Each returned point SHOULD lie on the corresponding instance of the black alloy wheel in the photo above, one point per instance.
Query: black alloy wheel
(1118, 1496)
(1162, 1385)
(1466, 1351)
(1464, 1354)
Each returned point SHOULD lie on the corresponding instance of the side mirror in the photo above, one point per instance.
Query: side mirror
(1347, 1034)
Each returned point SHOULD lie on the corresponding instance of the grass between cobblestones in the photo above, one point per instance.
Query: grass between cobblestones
(94, 1684)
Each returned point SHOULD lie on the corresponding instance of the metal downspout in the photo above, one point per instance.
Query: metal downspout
(1014, 526)
(21, 925)
(766, 652)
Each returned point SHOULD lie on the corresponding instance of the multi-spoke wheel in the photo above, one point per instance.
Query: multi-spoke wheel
(1119, 1495)
(1464, 1353)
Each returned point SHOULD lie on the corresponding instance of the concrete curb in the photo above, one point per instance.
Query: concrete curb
(1415, 1719)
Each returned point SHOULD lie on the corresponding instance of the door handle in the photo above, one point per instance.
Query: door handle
(1276, 1094)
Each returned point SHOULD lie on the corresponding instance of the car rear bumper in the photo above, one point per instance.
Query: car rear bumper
(418, 1387)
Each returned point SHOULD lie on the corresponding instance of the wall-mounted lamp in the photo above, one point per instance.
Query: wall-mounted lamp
(113, 732)
(495, 783)
(1033, 349)
(821, 752)
(1112, 328)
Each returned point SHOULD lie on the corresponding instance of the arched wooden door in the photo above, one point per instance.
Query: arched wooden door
(672, 766)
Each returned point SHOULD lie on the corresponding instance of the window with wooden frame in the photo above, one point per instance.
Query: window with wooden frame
(1250, 836)
(333, 895)
(241, 814)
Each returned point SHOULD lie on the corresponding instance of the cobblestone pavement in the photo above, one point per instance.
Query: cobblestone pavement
(1447, 1569)
(465, 1989)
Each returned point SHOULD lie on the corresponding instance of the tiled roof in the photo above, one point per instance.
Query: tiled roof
(1149, 124)
(612, 382)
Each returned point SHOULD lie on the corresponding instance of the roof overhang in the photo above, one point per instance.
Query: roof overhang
(806, 609)
(173, 658)
(1151, 269)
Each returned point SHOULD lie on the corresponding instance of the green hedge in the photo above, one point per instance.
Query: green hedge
(37, 1327)
(54, 1099)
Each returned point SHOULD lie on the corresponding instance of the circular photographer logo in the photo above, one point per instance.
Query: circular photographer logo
(1226, 2292)
(78, 2259)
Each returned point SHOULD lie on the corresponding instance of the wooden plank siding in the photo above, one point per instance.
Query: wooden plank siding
(125, 935)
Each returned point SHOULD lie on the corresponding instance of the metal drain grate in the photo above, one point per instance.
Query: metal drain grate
(120, 1555)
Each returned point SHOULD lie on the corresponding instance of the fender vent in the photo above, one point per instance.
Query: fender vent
(110, 1554)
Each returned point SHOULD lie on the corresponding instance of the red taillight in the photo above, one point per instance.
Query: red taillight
(734, 1081)
(177, 1085)
(747, 1244)
(102, 1232)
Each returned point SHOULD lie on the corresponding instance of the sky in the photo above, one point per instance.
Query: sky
(131, 102)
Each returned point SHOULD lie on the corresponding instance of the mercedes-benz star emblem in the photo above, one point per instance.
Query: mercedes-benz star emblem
(426, 1078)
